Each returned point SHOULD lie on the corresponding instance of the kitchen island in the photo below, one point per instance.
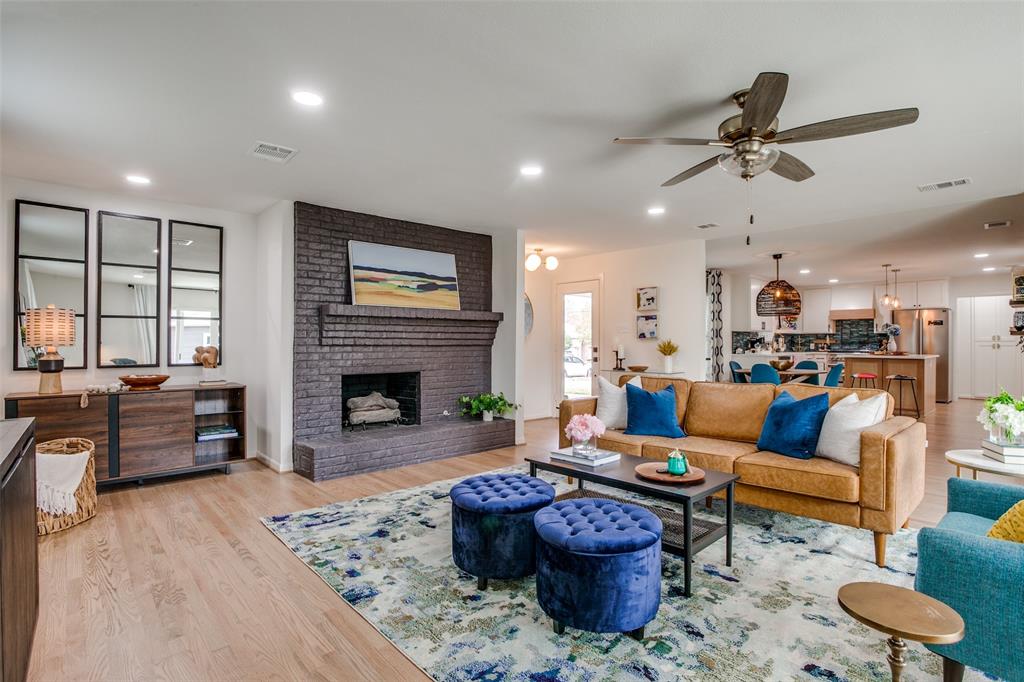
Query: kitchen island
(919, 366)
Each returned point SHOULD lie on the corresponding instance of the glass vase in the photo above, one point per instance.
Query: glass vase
(585, 448)
(1001, 436)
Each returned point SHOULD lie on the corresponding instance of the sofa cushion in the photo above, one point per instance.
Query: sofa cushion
(681, 387)
(792, 426)
(652, 413)
(620, 442)
(707, 453)
(728, 411)
(966, 523)
(815, 477)
(835, 394)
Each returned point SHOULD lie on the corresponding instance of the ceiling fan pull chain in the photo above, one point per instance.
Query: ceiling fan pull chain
(750, 201)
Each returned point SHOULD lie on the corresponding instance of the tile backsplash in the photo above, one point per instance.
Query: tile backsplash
(849, 335)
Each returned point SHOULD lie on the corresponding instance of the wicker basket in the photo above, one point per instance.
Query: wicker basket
(86, 493)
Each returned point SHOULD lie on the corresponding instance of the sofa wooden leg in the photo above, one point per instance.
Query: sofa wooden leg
(906, 524)
(952, 671)
(880, 548)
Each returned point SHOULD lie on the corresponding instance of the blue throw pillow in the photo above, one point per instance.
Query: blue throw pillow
(652, 413)
(792, 426)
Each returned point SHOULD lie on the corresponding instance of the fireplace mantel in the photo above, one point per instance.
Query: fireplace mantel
(342, 310)
(386, 326)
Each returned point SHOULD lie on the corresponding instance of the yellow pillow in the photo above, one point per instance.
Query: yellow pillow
(1010, 526)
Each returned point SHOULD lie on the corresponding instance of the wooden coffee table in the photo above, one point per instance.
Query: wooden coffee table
(683, 535)
(901, 614)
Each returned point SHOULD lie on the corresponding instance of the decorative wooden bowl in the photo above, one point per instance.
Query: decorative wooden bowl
(637, 368)
(781, 365)
(650, 471)
(144, 382)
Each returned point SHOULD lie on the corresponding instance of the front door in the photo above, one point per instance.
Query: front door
(576, 340)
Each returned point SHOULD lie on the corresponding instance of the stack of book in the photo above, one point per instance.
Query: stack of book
(215, 432)
(1007, 454)
(593, 459)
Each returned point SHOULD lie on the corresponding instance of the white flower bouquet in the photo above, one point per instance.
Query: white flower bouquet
(1003, 416)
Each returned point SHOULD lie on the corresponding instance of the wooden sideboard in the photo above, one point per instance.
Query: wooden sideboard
(19, 559)
(142, 434)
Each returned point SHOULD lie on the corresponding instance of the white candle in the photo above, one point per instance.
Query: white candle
(622, 351)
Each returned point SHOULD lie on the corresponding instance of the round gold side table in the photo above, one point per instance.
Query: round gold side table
(901, 614)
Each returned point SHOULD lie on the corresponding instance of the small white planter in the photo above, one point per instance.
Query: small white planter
(488, 416)
(891, 345)
(667, 363)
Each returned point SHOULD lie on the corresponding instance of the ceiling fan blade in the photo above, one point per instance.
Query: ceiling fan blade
(690, 172)
(848, 125)
(764, 101)
(666, 140)
(791, 168)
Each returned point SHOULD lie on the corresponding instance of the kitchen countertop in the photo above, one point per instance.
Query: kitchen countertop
(11, 433)
(887, 356)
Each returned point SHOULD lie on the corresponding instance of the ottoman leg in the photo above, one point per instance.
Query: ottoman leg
(559, 628)
(481, 584)
(637, 634)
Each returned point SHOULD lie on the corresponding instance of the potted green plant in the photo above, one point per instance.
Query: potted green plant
(667, 350)
(485, 404)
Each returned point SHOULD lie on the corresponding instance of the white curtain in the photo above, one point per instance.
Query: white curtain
(145, 304)
(28, 300)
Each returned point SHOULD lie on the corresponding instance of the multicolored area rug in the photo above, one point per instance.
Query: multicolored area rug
(772, 616)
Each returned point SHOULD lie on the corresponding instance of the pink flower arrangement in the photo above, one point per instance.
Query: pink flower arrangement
(583, 427)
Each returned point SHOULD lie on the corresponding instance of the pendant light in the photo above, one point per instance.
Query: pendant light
(886, 300)
(896, 289)
(778, 297)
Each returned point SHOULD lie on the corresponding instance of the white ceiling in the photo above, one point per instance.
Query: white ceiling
(432, 107)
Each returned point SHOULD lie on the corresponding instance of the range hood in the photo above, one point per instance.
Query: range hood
(852, 314)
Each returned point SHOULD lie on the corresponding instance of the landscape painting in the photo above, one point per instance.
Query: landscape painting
(397, 276)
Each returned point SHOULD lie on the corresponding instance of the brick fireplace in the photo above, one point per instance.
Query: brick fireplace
(340, 348)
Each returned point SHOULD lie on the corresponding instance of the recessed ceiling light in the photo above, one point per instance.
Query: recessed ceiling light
(139, 276)
(156, 250)
(656, 210)
(306, 98)
(805, 271)
(137, 179)
(988, 269)
(981, 255)
(833, 281)
(530, 170)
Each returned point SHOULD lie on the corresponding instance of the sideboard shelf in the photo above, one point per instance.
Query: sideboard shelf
(143, 434)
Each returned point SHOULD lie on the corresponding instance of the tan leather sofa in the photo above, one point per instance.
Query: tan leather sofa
(723, 421)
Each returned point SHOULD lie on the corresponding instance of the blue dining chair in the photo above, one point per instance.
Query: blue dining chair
(808, 364)
(835, 373)
(764, 374)
(737, 378)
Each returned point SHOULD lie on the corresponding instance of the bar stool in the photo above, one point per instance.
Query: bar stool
(900, 379)
(863, 377)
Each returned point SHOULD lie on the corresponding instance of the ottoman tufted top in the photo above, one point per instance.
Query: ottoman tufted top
(597, 526)
(502, 493)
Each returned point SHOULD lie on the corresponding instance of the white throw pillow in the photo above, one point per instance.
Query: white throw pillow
(840, 434)
(611, 402)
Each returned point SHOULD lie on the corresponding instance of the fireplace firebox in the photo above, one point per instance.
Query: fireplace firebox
(402, 387)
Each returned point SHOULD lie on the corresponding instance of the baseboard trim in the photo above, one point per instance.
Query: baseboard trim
(272, 464)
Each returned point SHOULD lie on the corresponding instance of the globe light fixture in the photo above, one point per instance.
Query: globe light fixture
(534, 260)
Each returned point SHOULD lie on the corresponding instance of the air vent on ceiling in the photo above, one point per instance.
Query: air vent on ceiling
(998, 224)
(707, 226)
(181, 242)
(273, 152)
(946, 184)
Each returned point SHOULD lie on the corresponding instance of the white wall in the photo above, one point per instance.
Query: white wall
(507, 282)
(275, 323)
(677, 269)
(243, 352)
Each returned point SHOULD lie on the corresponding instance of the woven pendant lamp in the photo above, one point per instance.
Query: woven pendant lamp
(49, 328)
(778, 297)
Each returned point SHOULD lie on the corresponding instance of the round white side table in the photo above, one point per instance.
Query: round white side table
(976, 461)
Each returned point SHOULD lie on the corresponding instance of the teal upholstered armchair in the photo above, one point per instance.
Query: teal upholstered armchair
(982, 578)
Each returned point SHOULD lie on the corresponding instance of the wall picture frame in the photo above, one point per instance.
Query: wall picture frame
(646, 326)
(647, 298)
(381, 274)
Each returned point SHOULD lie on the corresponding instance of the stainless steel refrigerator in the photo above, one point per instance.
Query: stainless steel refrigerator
(928, 331)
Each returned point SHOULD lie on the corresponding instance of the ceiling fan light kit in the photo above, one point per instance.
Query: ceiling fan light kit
(746, 134)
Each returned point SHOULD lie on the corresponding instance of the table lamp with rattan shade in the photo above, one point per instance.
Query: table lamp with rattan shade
(50, 327)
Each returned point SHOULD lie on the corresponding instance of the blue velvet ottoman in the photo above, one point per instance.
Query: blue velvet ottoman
(492, 525)
(598, 565)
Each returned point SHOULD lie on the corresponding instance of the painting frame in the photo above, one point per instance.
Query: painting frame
(647, 298)
(646, 327)
(402, 277)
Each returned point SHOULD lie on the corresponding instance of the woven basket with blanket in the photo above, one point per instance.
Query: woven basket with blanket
(61, 504)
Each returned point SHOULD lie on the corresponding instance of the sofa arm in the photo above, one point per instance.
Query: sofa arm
(981, 498)
(892, 458)
(568, 409)
(981, 579)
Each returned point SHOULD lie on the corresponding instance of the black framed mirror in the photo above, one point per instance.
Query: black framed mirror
(194, 290)
(51, 266)
(128, 296)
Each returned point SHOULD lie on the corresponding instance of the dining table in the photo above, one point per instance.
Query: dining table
(792, 375)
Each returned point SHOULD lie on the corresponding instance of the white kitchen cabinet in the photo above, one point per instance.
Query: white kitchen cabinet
(852, 297)
(995, 362)
(933, 293)
(908, 295)
(758, 323)
(815, 306)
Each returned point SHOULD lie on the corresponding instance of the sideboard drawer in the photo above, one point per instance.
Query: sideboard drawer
(63, 417)
(157, 432)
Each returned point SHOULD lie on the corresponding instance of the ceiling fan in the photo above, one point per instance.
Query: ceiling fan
(747, 135)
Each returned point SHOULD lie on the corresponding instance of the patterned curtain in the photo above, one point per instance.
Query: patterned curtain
(714, 344)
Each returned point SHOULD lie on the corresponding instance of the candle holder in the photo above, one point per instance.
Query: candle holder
(618, 362)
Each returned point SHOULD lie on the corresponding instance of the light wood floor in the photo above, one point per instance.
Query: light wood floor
(179, 580)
